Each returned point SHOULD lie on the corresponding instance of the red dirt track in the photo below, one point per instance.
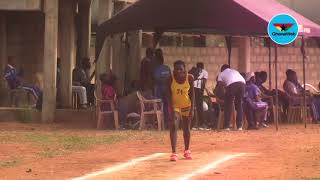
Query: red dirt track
(291, 153)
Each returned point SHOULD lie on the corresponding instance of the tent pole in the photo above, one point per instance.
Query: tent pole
(229, 48)
(270, 65)
(157, 35)
(276, 81)
(303, 51)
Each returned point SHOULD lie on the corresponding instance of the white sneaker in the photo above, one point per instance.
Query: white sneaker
(264, 125)
(227, 129)
(240, 129)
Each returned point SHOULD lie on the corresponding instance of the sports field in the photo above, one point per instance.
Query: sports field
(59, 151)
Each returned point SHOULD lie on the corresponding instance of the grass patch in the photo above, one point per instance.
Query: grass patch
(48, 153)
(52, 144)
(10, 163)
(37, 138)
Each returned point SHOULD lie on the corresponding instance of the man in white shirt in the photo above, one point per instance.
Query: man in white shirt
(199, 86)
(235, 87)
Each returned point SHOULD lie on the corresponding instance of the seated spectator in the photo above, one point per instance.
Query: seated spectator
(107, 90)
(261, 78)
(213, 108)
(254, 104)
(14, 80)
(86, 66)
(79, 78)
(295, 91)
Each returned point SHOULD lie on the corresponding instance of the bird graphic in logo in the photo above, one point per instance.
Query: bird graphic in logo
(283, 27)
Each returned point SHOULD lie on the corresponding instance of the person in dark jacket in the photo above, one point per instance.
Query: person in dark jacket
(14, 80)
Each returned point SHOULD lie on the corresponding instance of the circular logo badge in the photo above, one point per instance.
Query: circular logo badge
(283, 29)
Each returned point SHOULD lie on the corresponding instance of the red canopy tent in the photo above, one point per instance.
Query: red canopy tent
(230, 17)
(227, 17)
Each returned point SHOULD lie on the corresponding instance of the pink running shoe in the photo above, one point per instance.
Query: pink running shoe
(187, 154)
(174, 157)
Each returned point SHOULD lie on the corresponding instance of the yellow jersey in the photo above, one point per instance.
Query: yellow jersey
(180, 93)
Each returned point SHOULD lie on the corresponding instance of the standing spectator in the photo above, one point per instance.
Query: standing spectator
(235, 87)
(58, 83)
(162, 75)
(14, 80)
(146, 71)
(199, 86)
(254, 104)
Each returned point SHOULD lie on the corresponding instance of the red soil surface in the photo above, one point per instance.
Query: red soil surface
(291, 153)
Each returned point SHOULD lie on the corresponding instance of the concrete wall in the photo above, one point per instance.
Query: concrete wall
(25, 41)
(288, 58)
(24, 5)
(214, 57)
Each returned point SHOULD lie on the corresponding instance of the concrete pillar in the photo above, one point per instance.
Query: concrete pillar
(118, 61)
(67, 49)
(105, 58)
(3, 44)
(120, 55)
(50, 60)
(85, 28)
(244, 54)
(135, 41)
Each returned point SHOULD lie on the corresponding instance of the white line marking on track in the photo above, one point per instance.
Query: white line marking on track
(212, 165)
(119, 167)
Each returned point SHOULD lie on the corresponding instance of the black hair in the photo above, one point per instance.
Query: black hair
(58, 62)
(10, 59)
(224, 67)
(103, 77)
(289, 72)
(179, 62)
(243, 74)
(200, 65)
(159, 56)
(257, 74)
(149, 51)
(263, 74)
(85, 63)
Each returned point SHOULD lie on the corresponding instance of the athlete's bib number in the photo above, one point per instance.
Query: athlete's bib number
(180, 91)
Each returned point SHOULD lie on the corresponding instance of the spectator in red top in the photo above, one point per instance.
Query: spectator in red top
(107, 90)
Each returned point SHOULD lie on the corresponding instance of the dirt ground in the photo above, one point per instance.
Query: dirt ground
(37, 151)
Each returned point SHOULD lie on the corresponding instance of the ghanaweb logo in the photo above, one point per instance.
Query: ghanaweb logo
(283, 29)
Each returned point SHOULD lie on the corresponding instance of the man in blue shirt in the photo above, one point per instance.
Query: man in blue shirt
(13, 78)
(254, 104)
(161, 77)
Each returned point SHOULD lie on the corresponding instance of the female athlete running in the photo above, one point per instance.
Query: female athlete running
(181, 96)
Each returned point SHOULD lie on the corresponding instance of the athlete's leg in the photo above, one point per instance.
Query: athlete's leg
(174, 125)
(186, 122)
